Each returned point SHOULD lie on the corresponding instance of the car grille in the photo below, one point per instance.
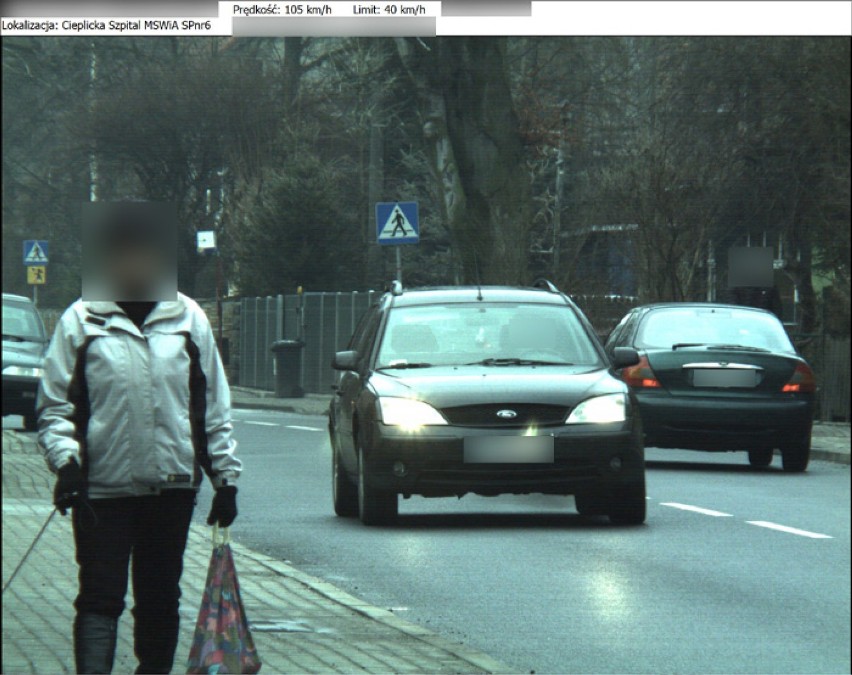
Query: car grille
(526, 414)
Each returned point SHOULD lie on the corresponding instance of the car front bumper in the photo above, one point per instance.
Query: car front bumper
(719, 424)
(434, 465)
(19, 395)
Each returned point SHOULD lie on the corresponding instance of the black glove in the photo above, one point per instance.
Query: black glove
(224, 508)
(70, 487)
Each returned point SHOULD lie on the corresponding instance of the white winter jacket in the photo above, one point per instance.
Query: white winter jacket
(140, 410)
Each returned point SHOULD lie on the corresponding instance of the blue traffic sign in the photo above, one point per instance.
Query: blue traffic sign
(35, 252)
(397, 223)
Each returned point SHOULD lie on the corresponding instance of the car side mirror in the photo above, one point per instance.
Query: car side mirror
(345, 360)
(622, 357)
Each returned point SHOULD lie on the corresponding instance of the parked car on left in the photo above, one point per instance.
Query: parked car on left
(24, 344)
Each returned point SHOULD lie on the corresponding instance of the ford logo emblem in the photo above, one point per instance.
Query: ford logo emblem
(507, 414)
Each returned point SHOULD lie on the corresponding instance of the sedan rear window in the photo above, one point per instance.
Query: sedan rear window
(458, 334)
(712, 326)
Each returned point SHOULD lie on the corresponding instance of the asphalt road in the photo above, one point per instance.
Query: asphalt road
(736, 571)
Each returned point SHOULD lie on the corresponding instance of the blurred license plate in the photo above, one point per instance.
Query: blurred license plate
(724, 377)
(508, 450)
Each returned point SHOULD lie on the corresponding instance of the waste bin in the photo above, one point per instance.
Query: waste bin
(287, 364)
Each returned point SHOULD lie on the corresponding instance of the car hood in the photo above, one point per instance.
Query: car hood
(22, 353)
(449, 386)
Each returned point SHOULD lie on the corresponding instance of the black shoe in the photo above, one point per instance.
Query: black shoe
(94, 643)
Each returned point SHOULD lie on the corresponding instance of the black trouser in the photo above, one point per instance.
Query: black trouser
(152, 531)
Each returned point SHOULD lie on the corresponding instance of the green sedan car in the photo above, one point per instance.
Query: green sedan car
(719, 378)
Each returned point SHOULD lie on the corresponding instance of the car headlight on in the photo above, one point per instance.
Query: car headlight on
(600, 410)
(23, 371)
(408, 413)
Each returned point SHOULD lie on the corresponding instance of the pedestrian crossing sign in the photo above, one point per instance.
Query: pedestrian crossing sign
(36, 274)
(397, 223)
(35, 252)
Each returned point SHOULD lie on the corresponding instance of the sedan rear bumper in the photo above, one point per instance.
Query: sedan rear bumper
(431, 463)
(723, 424)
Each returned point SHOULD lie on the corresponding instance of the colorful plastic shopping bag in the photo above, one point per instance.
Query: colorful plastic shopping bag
(222, 641)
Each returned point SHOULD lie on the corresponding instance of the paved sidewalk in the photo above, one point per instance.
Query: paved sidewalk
(829, 442)
(301, 624)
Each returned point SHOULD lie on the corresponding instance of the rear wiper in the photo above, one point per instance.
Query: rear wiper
(688, 344)
(403, 366)
(517, 362)
(742, 348)
(16, 338)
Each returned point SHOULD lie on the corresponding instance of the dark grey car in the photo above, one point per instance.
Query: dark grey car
(495, 390)
(719, 378)
(24, 344)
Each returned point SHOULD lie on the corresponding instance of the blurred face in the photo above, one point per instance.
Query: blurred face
(129, 252)
(134, 270)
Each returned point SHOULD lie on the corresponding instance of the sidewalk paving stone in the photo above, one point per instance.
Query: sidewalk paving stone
(301, 624)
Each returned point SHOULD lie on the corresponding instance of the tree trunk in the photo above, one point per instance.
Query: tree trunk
(477, 152)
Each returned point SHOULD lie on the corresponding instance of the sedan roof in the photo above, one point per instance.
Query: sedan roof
(719, 305)
(464, 294)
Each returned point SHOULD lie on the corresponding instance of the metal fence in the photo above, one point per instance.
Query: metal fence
(324, 322)
(834, 391)
(261, 324)
(830, 359)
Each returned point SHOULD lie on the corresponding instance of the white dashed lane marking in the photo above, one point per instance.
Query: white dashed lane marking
(789, 530)
(759, 523)
(697, 509)
(299, 428)
(261, 424)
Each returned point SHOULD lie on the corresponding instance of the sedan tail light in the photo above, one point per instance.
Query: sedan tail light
(640, 375)
(802, 380)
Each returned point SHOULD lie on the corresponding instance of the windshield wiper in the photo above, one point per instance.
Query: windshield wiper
(742, 348)
(16, 338)
(403, 366)
(517, 362)
(688, 344)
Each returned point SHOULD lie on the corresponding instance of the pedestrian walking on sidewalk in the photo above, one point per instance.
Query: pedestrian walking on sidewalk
(133, 405)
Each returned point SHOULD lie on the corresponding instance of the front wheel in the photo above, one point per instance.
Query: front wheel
(30, 423)
(589, 504)
(760, 458)
(628, 506)
(375, 507)
(344, 492)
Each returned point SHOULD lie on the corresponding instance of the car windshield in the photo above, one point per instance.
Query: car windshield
(20, 322)
(683, 327)
(495, 334)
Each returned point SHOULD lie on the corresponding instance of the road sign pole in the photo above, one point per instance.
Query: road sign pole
(399, 264)
(35, 294)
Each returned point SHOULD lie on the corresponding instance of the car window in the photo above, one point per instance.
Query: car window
(663, 328)
(358, 334)
(365, 345)
(466, 333)
(618, 331)
(21, 321)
